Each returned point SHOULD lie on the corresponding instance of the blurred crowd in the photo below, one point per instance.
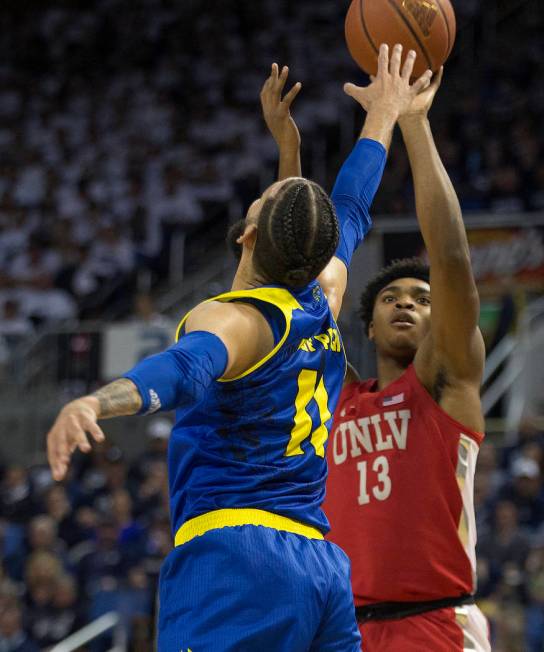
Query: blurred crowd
(73, 552)
(123, 122)
(509, 502)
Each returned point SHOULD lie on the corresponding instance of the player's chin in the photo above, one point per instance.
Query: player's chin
(405, 342)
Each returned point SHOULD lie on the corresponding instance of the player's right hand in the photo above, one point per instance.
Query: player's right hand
(276, 111)
(391, 91)
(423, 101)
(69, 432)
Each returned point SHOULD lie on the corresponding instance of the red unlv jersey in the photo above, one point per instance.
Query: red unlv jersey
(400, 493)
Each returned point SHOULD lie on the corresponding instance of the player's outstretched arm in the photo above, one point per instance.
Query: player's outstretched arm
(456, 344)
(388, 96)
(79, 417)
(278, 118)
(220, 340)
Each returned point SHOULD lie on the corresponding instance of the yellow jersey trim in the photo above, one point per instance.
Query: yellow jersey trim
(278, 297)
(222, 518)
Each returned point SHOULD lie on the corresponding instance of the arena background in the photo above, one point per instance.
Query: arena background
(130, 138)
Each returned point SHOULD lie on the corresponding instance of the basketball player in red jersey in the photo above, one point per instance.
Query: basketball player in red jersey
(403, 449)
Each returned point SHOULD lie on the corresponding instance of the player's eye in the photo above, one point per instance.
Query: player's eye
(388, 299)
(424, 301)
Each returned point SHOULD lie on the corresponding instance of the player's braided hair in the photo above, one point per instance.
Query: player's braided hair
(297, 234)
(403, 268)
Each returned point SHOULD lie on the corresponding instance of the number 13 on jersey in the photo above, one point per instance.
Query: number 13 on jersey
(382, 489)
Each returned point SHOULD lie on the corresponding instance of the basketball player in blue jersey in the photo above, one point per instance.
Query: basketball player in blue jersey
(254, 378)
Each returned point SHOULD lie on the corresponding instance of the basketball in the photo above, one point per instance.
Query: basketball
(426, 26)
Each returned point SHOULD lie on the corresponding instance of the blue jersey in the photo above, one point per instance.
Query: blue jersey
(258, 440)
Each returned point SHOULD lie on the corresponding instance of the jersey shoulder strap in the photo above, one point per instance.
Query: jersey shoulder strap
(280, 298)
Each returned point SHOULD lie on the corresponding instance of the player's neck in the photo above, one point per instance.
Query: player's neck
(391, 369)
(246, 279)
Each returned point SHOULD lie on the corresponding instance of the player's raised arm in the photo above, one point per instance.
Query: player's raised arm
(278, 118)
(456, 345)
(220, 340)
(385, 99)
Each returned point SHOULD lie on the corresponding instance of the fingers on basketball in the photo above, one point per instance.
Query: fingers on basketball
(394, 65)
(408, 67)
(383, 60)
(423, 82)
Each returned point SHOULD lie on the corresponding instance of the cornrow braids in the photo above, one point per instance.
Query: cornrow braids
(403, 268)
(297, 234)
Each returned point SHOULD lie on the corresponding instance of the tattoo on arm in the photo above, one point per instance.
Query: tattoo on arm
(120, 398)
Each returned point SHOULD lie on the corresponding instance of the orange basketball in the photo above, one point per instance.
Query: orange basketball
(426, 26)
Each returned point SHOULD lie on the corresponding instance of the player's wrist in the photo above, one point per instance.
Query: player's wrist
(379, 124)
(288, 147)
(382, 115)
(416, 119)
(90, 402)
(287, 141)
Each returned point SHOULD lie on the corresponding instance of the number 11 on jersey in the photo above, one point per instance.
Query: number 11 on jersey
(308, 389)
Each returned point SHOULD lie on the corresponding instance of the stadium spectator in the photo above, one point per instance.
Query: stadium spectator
(524, 490)
(42, 574)
(16, 499)
(102, 566)
(13, 325)
(58, 507)
(505, 548)
(158, 434)
(535, 582)
(13, 637)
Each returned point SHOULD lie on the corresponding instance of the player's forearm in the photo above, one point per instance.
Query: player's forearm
(119, 398)
(379, 124)
(353, 193)
(179, 376)
(437, 205)
(290, 165)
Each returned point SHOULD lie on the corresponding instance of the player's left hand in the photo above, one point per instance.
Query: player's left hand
(277, 111)
(391, 91)
(422, 102)
(69, 432)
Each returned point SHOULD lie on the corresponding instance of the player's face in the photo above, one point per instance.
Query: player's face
(401, 317)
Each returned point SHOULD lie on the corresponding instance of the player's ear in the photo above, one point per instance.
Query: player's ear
(249, 236)
(371, 331)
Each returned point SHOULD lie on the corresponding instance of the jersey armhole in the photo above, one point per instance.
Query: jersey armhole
(273, 315)
(478, 437)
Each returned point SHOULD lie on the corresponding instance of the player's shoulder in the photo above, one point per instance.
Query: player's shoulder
(312, 293)
(225, 314)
